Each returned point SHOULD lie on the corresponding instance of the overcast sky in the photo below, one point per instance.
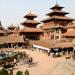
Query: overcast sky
(12, 11)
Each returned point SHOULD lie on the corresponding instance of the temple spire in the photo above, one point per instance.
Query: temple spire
(56, 2)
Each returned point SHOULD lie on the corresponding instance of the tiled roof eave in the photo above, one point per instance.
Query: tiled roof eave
(32, 30)
(64, 19)
(57, 12)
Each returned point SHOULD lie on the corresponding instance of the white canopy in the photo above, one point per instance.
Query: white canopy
(44, 48)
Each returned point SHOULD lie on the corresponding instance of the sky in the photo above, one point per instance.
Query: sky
(12, 11)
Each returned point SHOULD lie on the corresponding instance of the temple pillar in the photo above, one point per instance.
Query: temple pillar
(54, 34)
(59, 34)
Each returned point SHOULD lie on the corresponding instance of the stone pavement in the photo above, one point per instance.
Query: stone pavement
(46, 65)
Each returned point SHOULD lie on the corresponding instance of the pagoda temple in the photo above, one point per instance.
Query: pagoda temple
(12, 27)
(56, 23)
(30, 27)
(13, 30)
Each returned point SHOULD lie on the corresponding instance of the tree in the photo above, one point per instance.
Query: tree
(3, 72)
(19, 73)
(26, 72)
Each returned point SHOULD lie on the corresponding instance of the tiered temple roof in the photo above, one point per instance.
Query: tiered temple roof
(57, 15)
(57, 7)
(57, 10)
(30, 22)
(30, 15)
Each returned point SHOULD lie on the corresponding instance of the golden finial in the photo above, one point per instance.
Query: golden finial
(56, 2)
